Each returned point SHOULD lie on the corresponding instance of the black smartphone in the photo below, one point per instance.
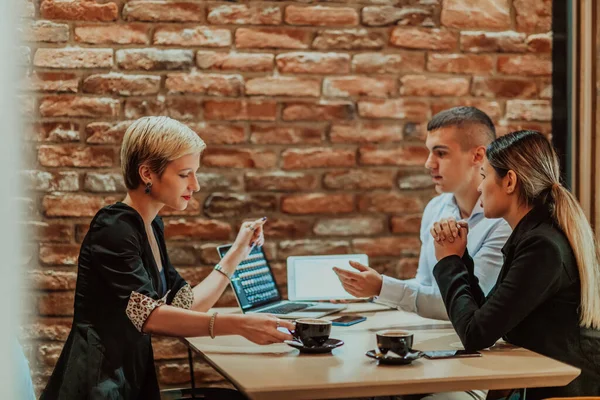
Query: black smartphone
(347, 320)
(438, 354)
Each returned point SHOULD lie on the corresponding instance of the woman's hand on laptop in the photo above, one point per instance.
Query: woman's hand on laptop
(365, 282)
(264, 328)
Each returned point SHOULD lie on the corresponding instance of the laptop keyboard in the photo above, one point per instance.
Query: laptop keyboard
(286, 308)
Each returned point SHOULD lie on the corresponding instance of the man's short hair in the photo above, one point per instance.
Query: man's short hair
(478, 127)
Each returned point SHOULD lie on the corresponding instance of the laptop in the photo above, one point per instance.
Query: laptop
(256, 290)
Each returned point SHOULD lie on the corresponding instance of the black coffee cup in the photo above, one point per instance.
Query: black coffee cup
(396, 340)
(312, 332)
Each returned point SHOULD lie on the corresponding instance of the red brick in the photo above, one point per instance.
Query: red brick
(364, 226)
(73, 57)
(219, 182)
(59, 254)
(368, 132)
(56, 304)
(207, 84)
(106, 132)
(50, 232)
(545, 90)
(533, 15)
(540, 43)
(265, 38)
(313, 63)
(75, 156)
(64, 181)
(121, 84)
(460, 63)
(241, 14)
(79, 10)
(321, 111)
(317, 158)
(422, 85)
(491, 108)
(378, 63)
(46, 31)
(49, 353)
(178, 107)
(239, 205)
(238, 158)
(71, 106)
(525, 65)
(282, 134)
(387, 246)
(504, 87)
(413, 110)
(197, 229)
(163, 11)
(56, 132)
(312, 247)
(219, 134)
(490, 42)
(505, 127)
(47, 328)
(248, 62)
(317, 203)
(52, 82)
(168, 348)
(420, 38)
(359, 179)
(192, 36)
(235, 110)
(380, 16)
(389, 202)
(104, 182)
(287, 228)
(283, 86)
(321, 16)
(346, 86)
(406, 223)
(112, 34)
(178, 372)
(280, 181)
(154, 59)
(402, 156)
(486, 14)
(348, 39)
(529, 110)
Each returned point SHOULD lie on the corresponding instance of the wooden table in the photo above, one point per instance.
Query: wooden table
(280, 372)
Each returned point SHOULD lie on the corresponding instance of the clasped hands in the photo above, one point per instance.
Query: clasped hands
(450, 237)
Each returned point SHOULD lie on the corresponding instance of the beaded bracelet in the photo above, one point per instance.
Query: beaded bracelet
(211, 325)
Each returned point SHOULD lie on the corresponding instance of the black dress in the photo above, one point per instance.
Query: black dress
(106, 355)
(534, 304)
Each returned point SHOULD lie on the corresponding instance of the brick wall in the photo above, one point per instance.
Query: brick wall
(313, 113)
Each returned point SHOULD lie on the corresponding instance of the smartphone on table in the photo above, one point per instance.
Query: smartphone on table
(439, 354)
(347, 320)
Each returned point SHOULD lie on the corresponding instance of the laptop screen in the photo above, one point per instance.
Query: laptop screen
(253, 281)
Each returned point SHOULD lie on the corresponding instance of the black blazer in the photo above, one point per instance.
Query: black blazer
(106, 355)
(534, 304)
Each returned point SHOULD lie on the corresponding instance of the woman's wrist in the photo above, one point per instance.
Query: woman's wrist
(227, 324)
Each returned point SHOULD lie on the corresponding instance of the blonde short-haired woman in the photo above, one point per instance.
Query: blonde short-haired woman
(127, 288)
(547, 297)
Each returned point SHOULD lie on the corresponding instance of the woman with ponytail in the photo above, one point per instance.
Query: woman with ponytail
(547, 297)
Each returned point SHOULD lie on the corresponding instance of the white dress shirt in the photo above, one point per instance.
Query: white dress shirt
(484, 242)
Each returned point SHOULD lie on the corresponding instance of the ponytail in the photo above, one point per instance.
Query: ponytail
(574, 224)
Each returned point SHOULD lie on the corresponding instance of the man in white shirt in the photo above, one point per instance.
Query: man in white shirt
(456, 139)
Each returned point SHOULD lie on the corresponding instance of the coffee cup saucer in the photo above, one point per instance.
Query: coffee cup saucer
(392, 358)
(329, 345)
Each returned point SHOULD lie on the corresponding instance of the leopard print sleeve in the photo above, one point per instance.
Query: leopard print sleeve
(139, 308)
(184, 298)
